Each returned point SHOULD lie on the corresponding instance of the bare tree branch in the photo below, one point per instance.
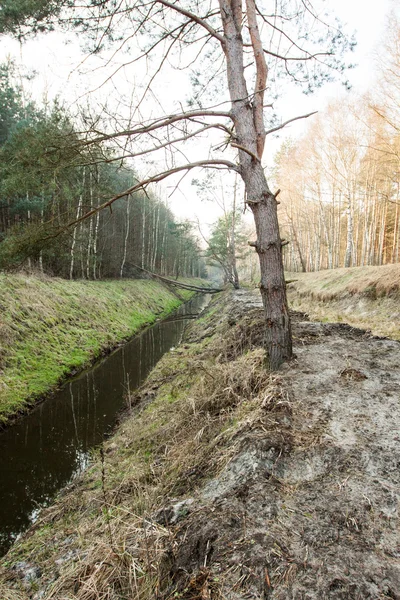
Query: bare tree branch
(290, 121)
(194, 18)
(249, 152)
(155, 179)
(157, 124)
(297, 58)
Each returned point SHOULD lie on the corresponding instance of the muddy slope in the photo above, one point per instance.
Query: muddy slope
(365, 297)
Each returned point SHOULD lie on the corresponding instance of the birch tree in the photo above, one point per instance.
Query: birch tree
(340, 190)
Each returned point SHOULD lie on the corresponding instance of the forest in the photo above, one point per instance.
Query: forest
(338, 182)
(47, 181)
(340, 200)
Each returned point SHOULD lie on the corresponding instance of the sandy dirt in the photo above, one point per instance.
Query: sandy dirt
(308, 507)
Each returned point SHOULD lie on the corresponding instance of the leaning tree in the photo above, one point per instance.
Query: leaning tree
(238, 53)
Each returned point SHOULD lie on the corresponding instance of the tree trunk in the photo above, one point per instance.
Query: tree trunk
(395, 246)
(29, 220)
(296, 240)
(232, 241)
(143, 233)
(155, 239)
(163, 259)
(273, 287)
(96, 233)
(128, 204)
(250, 134)
(72, 252)
(90, 234)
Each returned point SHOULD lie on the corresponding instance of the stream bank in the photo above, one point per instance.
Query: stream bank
(227, 482)
(52, 328)
(46, 448)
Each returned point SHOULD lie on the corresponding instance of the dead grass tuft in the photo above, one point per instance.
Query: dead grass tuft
(223, 386)
(9, 594)
(247, 334)
(103, 576)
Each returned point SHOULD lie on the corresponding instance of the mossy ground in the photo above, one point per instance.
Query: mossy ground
(52, 327)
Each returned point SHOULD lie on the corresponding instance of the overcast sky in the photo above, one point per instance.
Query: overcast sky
(55, 63)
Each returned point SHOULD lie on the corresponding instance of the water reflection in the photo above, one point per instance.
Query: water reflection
(41, 453)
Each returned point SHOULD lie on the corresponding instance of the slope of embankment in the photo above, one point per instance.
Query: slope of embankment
(228, 483)
(50, 328)
(366, 297)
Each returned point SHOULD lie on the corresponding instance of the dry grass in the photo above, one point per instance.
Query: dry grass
(365, 297)
(372, 282)
(183, 432)
(7, 594)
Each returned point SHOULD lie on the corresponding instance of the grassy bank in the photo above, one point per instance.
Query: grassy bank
(52, 327)
(193, 406)
(365, 297)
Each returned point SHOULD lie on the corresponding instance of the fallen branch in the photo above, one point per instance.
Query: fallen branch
(178, 284)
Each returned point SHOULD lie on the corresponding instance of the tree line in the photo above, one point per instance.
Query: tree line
(340, 183)
(47, 180)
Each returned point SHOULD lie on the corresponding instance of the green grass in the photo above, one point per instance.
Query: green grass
(52, 327)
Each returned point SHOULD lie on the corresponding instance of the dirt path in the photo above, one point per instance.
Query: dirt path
(346, 390)
(308, 509)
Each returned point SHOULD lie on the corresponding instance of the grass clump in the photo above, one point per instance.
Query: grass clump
(52, 327)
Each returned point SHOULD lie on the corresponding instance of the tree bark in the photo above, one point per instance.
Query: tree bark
(72, 252)
(128, 204)
(232, 241)
(250, 134)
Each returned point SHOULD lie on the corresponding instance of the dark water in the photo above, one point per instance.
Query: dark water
(43, 451)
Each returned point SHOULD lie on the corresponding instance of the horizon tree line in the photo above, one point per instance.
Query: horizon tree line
(45, 185)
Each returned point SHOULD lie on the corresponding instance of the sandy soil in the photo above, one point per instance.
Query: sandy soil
(308, 508)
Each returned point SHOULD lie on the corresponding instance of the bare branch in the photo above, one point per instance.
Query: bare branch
(158, 124)
(290, 121)
(281, 32)
(183, 138)
(194, 18)
(297, 58)
(383, 116)
(249, 152)
(154, 179)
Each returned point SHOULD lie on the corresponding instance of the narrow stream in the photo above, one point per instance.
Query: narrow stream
(43, 451)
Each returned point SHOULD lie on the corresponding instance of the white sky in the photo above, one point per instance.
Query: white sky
(56, 65)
